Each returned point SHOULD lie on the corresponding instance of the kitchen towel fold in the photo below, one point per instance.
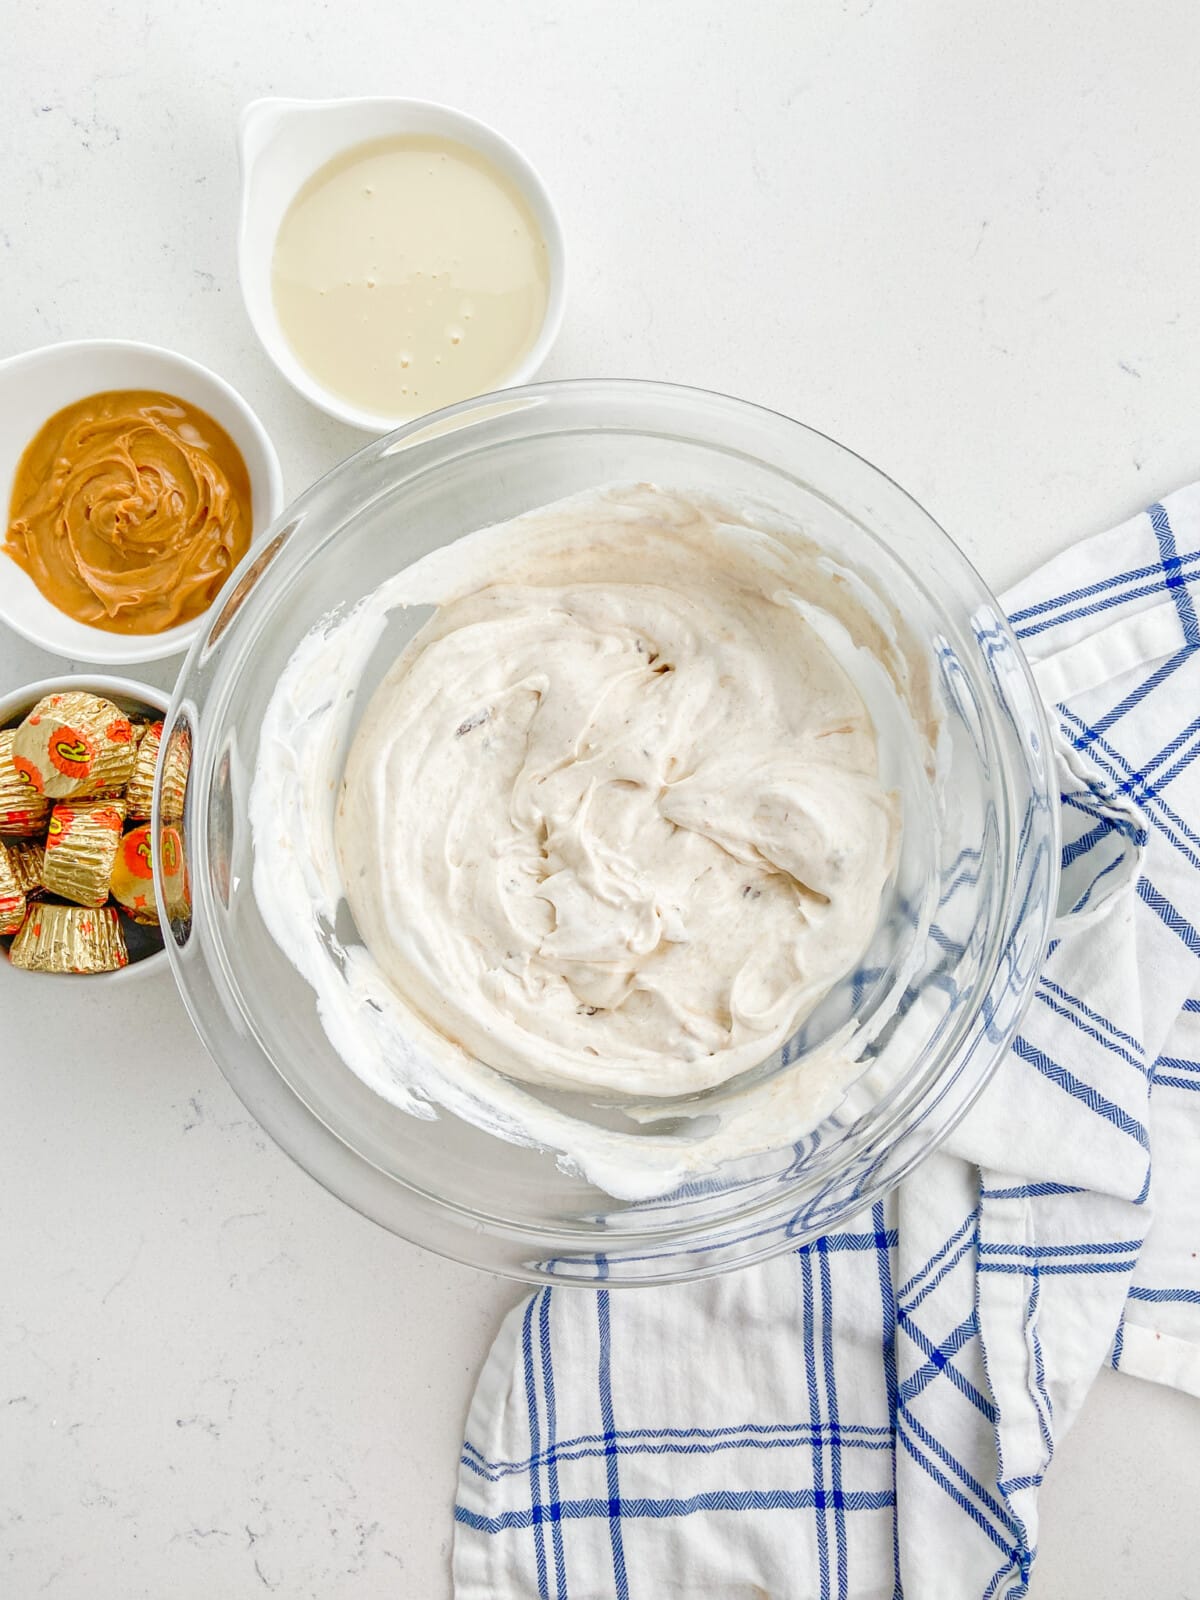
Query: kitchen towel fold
(872, 1415)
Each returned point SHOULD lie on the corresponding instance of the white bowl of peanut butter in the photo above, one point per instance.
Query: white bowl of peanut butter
(133, 482)
(395, 256)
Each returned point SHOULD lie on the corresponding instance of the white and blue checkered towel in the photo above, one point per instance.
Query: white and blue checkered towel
(872, 1415)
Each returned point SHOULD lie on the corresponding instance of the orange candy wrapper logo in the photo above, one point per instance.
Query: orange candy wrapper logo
(71, 752)
(26, 771)
(169, 850)
(60, 827)
(135, 850)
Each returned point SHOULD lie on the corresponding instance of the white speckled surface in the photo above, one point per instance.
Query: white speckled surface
(962, 238)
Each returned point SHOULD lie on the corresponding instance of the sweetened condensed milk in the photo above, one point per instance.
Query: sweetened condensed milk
(409, 273)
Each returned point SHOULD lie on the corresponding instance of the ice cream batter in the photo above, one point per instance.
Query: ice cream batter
(613, 820)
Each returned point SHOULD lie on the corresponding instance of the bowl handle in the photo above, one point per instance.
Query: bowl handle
(257, 125)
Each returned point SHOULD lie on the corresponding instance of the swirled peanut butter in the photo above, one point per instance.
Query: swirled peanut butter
(129, 510)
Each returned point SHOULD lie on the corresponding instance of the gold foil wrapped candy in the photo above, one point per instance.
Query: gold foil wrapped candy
(177, 763)
(12, 896)
(70, 939)
(140, 789)
(27, 858)
(132, 882)
(177, 902)
(71, 775)
(75, 744)
(80, 849)
(23, 811)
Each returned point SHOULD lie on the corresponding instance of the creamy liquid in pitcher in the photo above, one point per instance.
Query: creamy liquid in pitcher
(409, 273)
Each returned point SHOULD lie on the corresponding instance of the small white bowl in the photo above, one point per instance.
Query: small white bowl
(283, 142)
(36, 384)
(130, 696)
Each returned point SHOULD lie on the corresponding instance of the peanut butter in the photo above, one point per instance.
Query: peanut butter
(129, 510)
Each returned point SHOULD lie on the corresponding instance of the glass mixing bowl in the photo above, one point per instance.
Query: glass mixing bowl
(964, 972)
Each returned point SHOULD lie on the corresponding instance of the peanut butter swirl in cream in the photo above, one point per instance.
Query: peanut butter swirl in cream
(129, 510)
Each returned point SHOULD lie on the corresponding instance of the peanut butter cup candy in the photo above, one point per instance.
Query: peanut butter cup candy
(81, 847)
(70, 939)
(73, 745)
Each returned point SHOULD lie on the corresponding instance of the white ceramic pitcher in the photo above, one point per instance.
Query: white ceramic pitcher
(284, 142)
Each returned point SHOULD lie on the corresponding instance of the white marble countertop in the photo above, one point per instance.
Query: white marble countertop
(960, 237)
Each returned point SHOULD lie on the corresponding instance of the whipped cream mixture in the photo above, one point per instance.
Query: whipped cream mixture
(612, 823)
(613, 820)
